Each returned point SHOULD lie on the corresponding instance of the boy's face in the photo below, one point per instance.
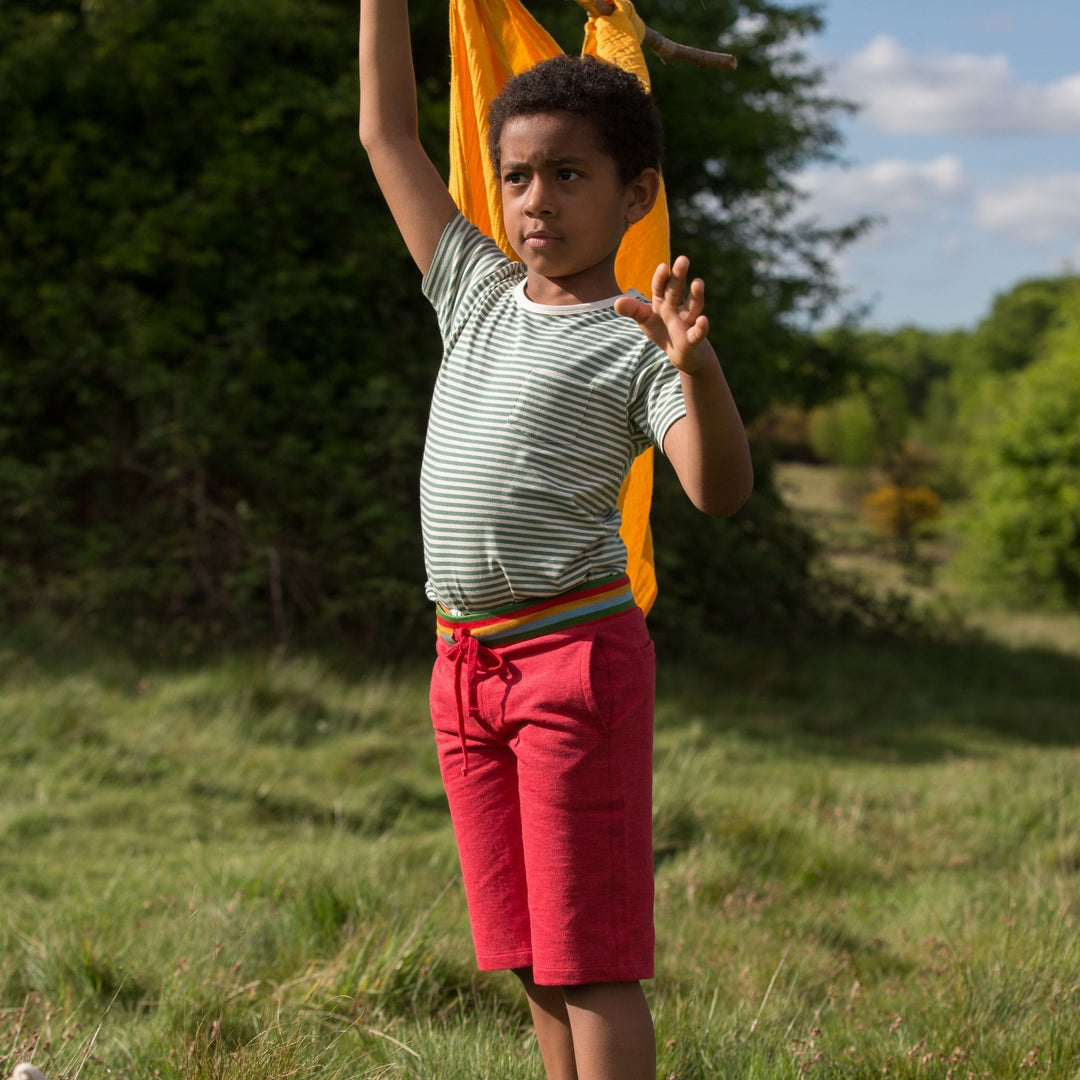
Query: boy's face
(565, 208)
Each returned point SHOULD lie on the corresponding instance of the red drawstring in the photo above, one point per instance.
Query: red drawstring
(466, 651)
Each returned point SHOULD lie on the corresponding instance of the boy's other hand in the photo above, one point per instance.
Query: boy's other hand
(675, 319)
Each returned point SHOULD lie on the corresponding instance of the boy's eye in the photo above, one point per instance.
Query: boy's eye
(514, 178)
(568, 174)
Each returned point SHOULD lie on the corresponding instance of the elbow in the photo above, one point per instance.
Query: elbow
(727, 499)
(386, 147)
(369, 135)
(373, 130)
(377, 146)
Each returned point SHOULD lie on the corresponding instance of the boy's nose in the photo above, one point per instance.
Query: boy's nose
(537, 204)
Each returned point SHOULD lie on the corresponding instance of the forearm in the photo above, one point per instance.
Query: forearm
(413, 189)
(708, 447)
(387, 81)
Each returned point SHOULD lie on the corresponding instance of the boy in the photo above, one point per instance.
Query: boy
(552, 381)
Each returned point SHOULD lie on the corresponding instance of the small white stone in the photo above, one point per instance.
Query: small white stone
(28, 1072)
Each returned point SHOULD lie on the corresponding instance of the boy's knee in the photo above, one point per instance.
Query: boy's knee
(585, 993)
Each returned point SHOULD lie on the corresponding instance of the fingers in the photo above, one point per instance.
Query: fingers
(669, 286)
(660, 280)
(696, 303)
(637, 310)
(698, 331)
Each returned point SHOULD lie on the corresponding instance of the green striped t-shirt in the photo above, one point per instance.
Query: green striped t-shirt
(537, 413)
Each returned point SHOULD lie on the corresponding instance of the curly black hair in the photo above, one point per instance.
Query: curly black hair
(619, 107)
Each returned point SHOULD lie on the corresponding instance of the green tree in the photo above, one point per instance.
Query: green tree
(893, 381)
(1023, 536)
(912, 402)
(1011, 335)
(212, 386)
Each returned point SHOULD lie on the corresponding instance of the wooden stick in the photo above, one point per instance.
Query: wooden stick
(669, 50)
(665, 48)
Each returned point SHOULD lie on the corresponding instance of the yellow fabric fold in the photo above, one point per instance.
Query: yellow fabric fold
(490, 40)
(617, 38)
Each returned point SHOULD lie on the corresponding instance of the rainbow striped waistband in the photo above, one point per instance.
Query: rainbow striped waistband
(518, 622)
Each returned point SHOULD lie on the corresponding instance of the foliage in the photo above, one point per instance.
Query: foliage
(784, 434)
(749, 573)
(913, 394)
(214, 359)
(1023, 537)
(988, 414)
(895, 392)
(845, 433)
(1011, 334)
(734, 207)
(205, 427)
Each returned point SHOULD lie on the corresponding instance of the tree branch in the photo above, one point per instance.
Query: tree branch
(665, 48)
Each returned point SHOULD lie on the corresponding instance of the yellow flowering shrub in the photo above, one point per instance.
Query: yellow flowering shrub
(896, 511)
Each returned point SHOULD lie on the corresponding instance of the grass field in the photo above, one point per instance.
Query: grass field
(868, 865)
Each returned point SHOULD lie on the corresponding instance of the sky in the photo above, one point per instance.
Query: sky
(967, 143)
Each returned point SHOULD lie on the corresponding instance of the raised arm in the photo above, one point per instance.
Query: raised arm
(410, 183)
(707, 447)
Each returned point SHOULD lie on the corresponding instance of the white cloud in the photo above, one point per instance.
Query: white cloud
(1037, 209)
(953, 93)
(898, 190)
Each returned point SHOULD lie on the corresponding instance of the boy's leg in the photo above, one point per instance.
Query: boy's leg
(552, 1024)
(613, 1036)
(598, 1032)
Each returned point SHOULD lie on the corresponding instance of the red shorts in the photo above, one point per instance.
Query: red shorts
(545, 748)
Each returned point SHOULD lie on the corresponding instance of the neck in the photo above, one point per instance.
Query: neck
(578, 289)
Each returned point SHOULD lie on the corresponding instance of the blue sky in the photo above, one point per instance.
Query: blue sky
(967, 143)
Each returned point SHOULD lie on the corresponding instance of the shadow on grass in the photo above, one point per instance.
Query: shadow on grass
(907, 699)
(388, 804)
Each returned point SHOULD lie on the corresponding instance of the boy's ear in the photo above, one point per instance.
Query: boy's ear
(642, 191)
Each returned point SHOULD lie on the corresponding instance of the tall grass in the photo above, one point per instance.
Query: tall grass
(868, 864)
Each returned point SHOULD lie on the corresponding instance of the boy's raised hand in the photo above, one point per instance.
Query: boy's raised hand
(707, 446)
(675, 319)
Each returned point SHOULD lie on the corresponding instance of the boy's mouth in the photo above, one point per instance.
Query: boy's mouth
(540, 240)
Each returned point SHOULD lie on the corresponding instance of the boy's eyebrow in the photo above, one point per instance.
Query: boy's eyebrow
(547, 161)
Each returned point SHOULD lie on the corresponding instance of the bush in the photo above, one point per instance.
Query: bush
(212, 392)
(846, 433)
(897, 512)
(1022, 536)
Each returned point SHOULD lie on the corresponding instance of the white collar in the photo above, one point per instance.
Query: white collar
(566, 309)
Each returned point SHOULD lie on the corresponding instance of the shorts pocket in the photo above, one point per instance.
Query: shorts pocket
(620, 678)
(595, 689)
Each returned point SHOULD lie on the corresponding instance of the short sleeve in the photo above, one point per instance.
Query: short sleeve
(466, 265)
(657, 398)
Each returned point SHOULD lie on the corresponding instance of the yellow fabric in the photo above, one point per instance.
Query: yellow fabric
(489, 41)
